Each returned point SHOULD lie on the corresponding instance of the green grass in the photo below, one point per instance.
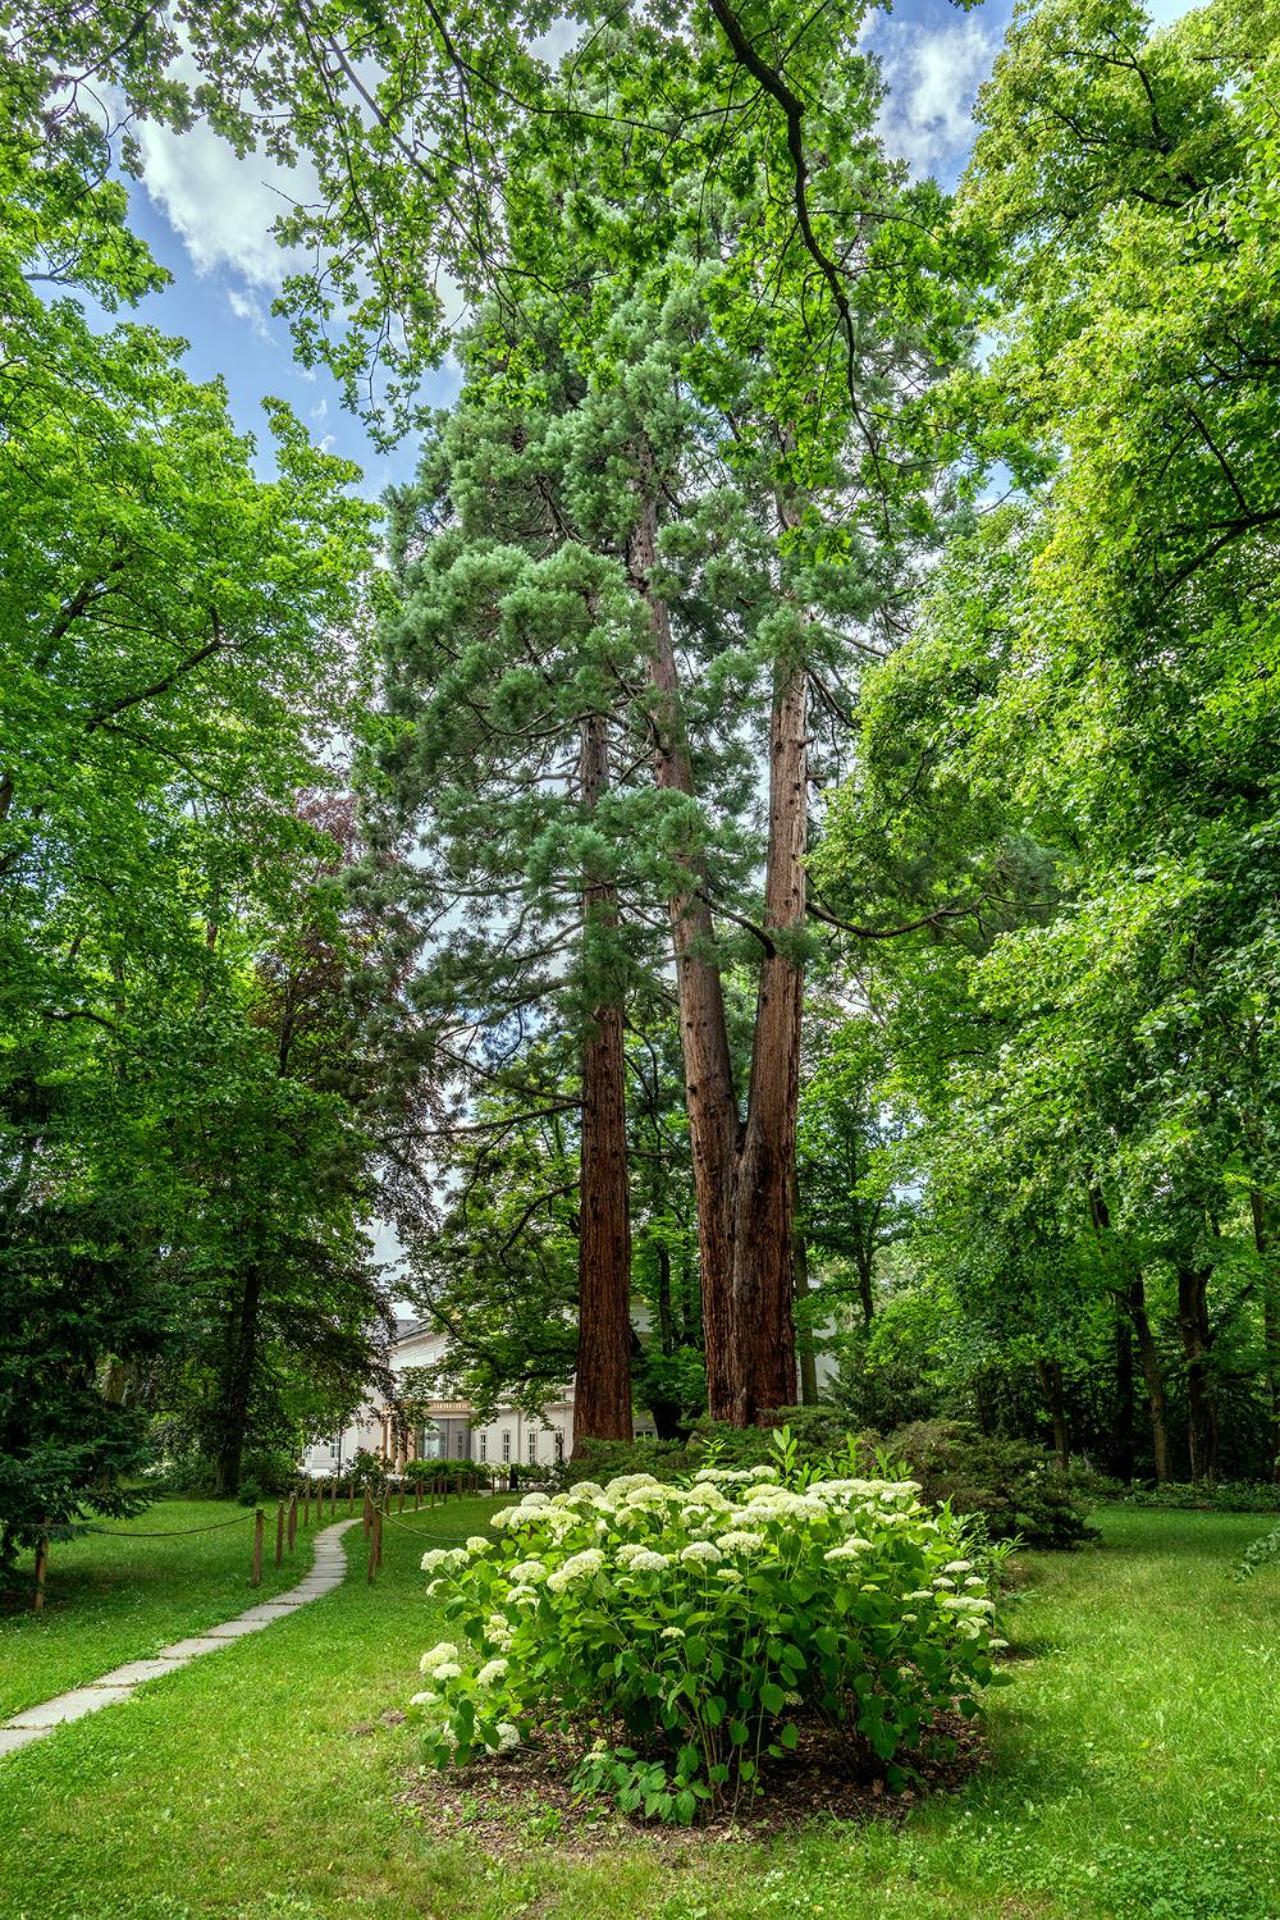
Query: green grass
(1134, 1773)
(110, 1599)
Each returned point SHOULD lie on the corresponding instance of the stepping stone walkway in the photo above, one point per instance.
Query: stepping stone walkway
(326, 1573)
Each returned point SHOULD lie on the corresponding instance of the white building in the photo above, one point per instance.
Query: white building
(451, 1432)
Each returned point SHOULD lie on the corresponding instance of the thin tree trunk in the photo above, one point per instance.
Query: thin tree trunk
(710, 1100)
(1122, 1425)
(1050, 1372)
(1270, 1319)
(800, 1289)
(1152, 1379)
(762, 1270)
(1202, 1412)
(238, 1388)
(1134, 1297)
(602, 1386)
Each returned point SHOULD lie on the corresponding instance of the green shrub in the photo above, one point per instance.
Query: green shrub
(1225, 1496)
(706, 1621)
(1016, 1488)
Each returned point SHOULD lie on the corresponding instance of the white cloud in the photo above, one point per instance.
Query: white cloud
(932, 79)
(248, 307)
(223, 208)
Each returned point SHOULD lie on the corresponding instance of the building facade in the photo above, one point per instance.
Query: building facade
(451, 1430)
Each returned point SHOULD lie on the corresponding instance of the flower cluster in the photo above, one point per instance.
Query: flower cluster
(708, 1620)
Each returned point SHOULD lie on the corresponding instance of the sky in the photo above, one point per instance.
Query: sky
(207, 216)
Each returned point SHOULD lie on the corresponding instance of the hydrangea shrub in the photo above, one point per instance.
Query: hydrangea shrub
(705, 1624)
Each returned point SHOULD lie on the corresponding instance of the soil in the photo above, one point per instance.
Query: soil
(526, 1800)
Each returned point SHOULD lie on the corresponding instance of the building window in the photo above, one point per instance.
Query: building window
(484, 1446)
(506, 1443)
(559, 1446)
(533, 1447)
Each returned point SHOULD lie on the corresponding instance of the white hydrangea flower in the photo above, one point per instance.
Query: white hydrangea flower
(447, 1670)
(975, 1581)
(909, 1619)
(491, 1672)
(997, 1646)
(478, 1544)
(433, 1588)
(508, 1736)
(535, 1500)
(701, 1553)
(672, 1633)
(437, 1655)
(645, 1560)
(958, 1566)
(528, 1573)
(741, 1540)
(425, 1699)
(438, 1557)
(617, 1489)
(729, 1573)
(941, 1581)
(579, 1566)
(921, 1593)
(846, 1552)
(523, 1596)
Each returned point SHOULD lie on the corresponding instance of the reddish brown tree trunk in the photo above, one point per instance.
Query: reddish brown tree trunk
(710, 1100)
(762, 1265)
(602, 1388)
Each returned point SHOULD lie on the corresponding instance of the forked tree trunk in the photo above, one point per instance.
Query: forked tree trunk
(710, 1100)
(602, 1387)
(762, 1265)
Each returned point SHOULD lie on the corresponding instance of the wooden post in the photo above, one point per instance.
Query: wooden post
(417, 1495)
(375, 1544)
(280, 1533)
(368, 1512)
(293, 1521)
(259, 1527)
(402, 1496)
(306, 1506)
(42, 1567)
(351, 1490)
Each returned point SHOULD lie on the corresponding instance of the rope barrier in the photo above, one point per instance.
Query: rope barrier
(170, 1533)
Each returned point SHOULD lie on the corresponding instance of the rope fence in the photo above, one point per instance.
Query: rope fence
(294, 1515)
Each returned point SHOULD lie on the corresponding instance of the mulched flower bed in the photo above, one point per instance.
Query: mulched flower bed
(526, 1800)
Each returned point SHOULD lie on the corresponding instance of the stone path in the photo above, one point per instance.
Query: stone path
(327, 1571)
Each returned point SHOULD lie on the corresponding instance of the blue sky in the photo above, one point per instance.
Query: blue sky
(208, 215)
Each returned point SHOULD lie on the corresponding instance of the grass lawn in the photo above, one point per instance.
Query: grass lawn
(111, 1599)
(1135, 1771)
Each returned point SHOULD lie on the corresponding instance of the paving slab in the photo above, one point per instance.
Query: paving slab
(328, 1569)
(70, 1706)
(134, 1672)
(11, 1738)
(192, 1649)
